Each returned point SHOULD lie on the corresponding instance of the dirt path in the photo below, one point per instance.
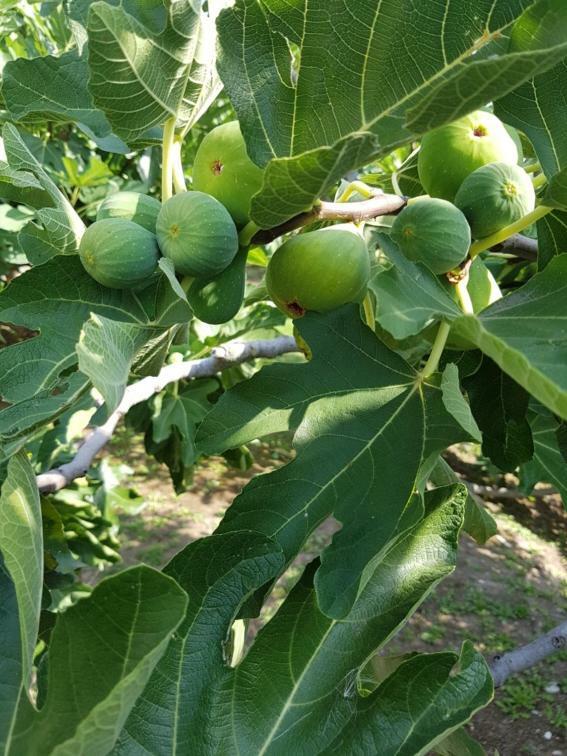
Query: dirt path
(501, 594)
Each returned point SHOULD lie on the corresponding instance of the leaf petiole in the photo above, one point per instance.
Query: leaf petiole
(437, 350)
(356, 187)
(177, 165)
(167, 159)
(464, 297)
(369, 311)
(247, 233)
(481, 245)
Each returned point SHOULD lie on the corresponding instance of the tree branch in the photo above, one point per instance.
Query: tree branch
(498, 493)
(524, 657)
(222, 357)
(522, 246)
(381, 204)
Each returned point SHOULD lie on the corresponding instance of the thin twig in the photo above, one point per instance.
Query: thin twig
(524, 657)
(222, 357)
(381, 204)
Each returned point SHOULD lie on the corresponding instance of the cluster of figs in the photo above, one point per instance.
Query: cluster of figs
(469, 168)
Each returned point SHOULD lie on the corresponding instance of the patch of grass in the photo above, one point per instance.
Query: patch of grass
(556, 715)
(520, 695)
(433, 634)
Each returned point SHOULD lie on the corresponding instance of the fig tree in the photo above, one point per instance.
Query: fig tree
(449, 153)
(495, 196)
(223, 169)
(132, 206)
(197, 234)
(434, 232)
(319, 270)
(119, 253)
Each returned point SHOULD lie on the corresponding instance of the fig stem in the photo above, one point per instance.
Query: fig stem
(532, 167)
(356, 186)
(465, 300)
(355, 212)
(514, 228)
(437, 350)
(369, 311)
(539, 180)
(167, 160)
(247, 233)
(178, 177)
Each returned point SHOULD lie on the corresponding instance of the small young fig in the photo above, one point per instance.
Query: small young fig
(217, 300)
(495, 196)
(223, 169)
(449, 153)
(119, 253)
(434, 232)
(197, 234)
(319, 270)
(132, 206)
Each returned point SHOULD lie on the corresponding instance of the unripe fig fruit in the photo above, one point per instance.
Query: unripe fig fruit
(449, 153)
(119, 253)
(132, 206)
(223, 169)
(434, 232)
(319, 270)
(197, 234)
(217, 300)
(495, 196)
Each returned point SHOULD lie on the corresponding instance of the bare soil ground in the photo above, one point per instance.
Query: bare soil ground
(501, 595)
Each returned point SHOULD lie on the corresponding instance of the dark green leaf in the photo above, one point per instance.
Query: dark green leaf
(408, 295)
(134, 614)
(548, 463)
(22, 549)
(57, 299)
(422, 701)
(10, 657)
(218, 573)
(478, 523)
(21, 581)
(351, 92)
(358, 414)
(303, 704)
(524, 334)
(52, 89)
(148, 64)
(499, 406)
(455, 403)
(171, 435)
(51, 236)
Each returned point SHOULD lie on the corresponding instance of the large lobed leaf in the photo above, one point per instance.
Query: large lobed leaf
(304, 704)
(25, 180)
(218, 573)
(101, 653)
(148, 64)
(286, 696)
(21, 583)
(57, 299)
(408, 295)
(52, 89)
(322, 87)
(360, 431)
(525, 334)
